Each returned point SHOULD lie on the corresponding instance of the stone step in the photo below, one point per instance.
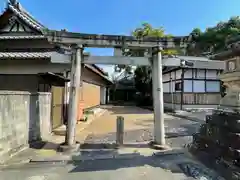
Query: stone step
(60, 131)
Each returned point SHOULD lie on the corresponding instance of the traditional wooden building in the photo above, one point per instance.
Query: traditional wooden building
(123, 90)
(192, 88)
(28, 62)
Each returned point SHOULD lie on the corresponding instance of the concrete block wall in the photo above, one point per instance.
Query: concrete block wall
(39, 116)
(24, 117)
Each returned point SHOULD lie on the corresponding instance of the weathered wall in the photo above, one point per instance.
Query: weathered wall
(91, 77)
(103, 94)
(24, 117)
(194, 100)
(20, 82)
(90, 94)
(31, 67)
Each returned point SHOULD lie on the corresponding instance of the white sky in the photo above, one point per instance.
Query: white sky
(103, 52)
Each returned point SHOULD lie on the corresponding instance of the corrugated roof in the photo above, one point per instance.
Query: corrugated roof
(25, 55)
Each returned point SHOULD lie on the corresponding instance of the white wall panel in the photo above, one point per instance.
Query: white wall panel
(211, 74)
(199, 86)
(187, 86)
(188, 73)
(166, 87)
(178, 74)
(199, 73)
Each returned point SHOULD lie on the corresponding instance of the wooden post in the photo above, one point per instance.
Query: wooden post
(73, 94)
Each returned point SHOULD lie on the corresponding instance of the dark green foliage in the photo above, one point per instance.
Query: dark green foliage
(213, 39)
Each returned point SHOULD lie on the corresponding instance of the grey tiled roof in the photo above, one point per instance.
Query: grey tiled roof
(22, 37)
(25, 16)
(25, 55)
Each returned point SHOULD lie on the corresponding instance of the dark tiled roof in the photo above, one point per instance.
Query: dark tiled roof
(19, 11)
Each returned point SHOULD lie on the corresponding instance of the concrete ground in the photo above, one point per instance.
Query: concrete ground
(138, 163)
(103, 129)
(194, 115)
(138, 127)
(167, 167)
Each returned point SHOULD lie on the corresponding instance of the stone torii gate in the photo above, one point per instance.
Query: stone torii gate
(154, 46)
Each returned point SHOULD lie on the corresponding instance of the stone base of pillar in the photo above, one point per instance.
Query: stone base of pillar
(69, 149)
(156, 146)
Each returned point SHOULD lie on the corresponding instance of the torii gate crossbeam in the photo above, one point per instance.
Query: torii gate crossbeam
(113, 41)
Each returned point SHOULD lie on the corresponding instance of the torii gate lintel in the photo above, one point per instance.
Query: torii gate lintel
(114, 41)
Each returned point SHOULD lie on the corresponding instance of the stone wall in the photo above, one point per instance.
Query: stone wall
(24, 117)
(217, 144)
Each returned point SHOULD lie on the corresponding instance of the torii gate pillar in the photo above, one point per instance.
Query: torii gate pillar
(74, 94)
(157, 83)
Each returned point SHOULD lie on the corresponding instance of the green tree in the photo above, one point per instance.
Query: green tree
(146, 30)
(143, 80)
(142, 74)
(213, 39)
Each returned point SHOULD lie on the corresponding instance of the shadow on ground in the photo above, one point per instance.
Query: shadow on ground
(37, 144)
(113, 145)
(173, 163)
(43, 145)
(126, 110)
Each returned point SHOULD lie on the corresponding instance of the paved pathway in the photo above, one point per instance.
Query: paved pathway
(138, 127)
(175, 167)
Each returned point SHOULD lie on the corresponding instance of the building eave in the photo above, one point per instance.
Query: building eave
(170, 69)
(93, 69)
(99, 69)
(18, 10)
